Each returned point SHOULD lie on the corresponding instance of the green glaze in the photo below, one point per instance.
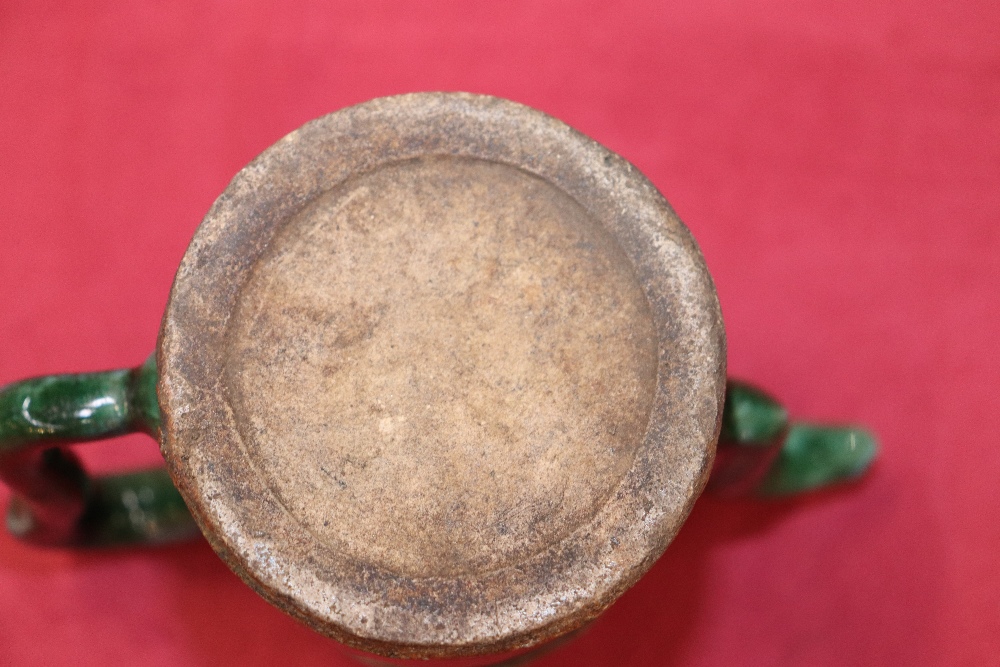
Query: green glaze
(751, 417)
(817, 456)
(142, 506)
(75, 408)
(762, 452)
(40, 413)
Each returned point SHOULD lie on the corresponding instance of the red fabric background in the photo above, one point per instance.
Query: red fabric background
(837, 160)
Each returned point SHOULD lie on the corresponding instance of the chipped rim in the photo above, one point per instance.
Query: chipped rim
(558, 589)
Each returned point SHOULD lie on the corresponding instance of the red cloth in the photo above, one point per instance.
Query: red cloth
(838, 161)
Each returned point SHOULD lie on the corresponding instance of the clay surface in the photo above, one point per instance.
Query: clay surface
(440, 376)
(479, 360)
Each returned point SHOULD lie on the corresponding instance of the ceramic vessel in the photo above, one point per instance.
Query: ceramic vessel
(439, 376)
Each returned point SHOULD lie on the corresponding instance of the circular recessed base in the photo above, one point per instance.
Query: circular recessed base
(440, 376)
(478, 357)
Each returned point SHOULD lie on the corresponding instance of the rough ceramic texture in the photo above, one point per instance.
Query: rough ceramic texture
(441, 376)
(481, 359)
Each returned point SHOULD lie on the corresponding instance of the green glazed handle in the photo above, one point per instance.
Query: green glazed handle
(761, 452)
(55, 501)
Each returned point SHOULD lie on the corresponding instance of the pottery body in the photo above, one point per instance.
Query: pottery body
(439, 376)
